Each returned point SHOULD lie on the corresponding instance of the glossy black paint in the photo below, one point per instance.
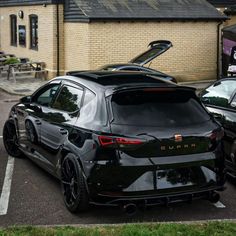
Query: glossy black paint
(224, 111)
(161, 167)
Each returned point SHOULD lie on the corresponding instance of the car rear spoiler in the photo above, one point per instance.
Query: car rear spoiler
(127, 87)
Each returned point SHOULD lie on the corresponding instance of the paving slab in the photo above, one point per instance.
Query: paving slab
(23, 86)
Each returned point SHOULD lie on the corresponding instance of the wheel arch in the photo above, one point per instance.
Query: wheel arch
(15, 152)
(12, 120)
(64, 154)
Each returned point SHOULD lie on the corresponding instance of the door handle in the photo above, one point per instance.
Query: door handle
(38, 122)
(63, 131)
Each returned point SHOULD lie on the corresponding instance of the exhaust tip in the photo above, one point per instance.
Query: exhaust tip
(130, 209)
(214, 197)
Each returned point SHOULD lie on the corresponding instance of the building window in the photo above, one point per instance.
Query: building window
(13, 26)
(22, 35)
(33, 31)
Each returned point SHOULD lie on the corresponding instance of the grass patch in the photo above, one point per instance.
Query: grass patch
(204, 229)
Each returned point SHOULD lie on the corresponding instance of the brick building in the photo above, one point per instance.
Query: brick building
(86, 34)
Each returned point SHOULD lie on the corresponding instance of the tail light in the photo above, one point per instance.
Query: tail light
(110, 141)
(215, 137)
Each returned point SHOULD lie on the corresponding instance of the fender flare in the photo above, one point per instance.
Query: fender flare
(79, 163)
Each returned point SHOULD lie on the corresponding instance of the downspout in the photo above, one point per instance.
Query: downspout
(58, 41)
(219, 46)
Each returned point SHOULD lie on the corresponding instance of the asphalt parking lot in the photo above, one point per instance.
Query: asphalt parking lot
(34, 197)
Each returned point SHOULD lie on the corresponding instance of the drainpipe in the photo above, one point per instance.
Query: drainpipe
(58, 40)
(219, 39)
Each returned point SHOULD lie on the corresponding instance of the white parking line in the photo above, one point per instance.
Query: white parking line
(4, 199)
(1, 136)
(219, 205)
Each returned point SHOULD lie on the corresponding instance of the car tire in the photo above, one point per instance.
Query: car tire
(10, 139)
(75, 194)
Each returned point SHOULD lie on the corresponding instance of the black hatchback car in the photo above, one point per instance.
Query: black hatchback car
(119, 139)
(220, 100)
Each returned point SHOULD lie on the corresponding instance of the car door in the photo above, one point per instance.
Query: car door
(230, 125)
(58, 121)
(29, 118)
(220, 100)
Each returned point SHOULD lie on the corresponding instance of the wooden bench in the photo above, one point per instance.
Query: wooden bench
(38, 68)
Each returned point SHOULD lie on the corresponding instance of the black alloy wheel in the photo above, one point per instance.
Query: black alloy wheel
(10, 139)
(74, 191)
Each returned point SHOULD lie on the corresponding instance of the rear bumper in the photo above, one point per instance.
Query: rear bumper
(155, 199)
(175, 178)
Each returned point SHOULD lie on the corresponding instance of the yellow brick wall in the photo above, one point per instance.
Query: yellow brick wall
(90, 45)
(47, 47)
(193, 57)
(76, 44)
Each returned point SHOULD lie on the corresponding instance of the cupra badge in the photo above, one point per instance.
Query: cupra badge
(178, 138)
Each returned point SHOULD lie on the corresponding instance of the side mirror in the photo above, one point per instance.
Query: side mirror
(233, 104)
(26, 99)
(217, 84)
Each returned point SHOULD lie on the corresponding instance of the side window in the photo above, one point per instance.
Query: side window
(45, 96)
(69, 99)
(219, 94)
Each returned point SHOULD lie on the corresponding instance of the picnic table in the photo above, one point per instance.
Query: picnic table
(38, 68)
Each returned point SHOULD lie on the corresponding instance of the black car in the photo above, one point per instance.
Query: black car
(156, 48)
(220, 100)
(119, 139)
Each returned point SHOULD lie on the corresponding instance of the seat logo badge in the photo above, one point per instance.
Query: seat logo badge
(178, 138)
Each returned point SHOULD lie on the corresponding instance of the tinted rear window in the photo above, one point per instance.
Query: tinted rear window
(157, 108)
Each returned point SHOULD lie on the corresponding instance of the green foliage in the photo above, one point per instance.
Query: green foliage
(203, 229)
(11, 60)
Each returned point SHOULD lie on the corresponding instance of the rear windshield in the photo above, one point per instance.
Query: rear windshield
(146, 55)
(157, 108)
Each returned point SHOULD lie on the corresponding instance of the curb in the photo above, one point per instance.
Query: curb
(11, 92)
(134, 223)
